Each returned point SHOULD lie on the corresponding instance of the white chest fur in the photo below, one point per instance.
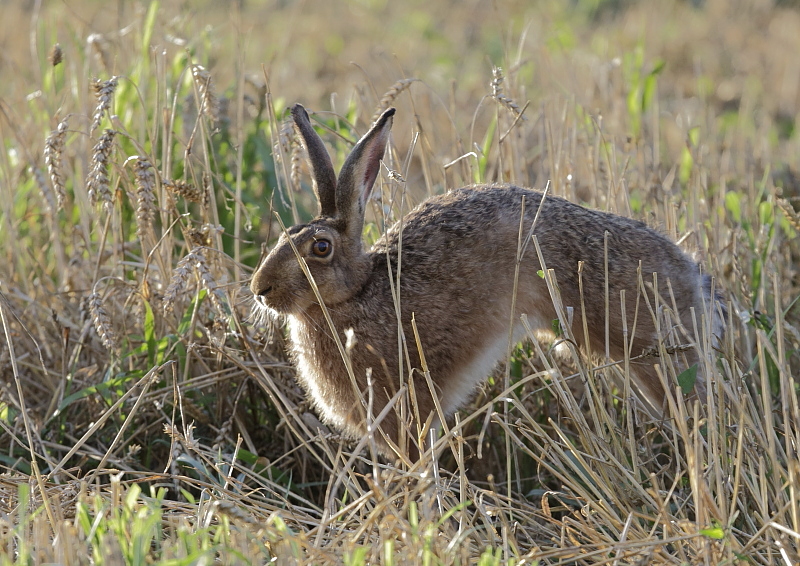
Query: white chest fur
(309, 369)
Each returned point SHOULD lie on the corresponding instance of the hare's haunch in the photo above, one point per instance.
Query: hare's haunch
(458, 256)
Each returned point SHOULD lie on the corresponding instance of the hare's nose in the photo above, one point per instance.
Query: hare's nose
(259, 288)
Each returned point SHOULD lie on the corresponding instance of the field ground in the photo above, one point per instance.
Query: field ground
(145, 153)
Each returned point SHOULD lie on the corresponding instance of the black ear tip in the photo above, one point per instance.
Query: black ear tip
(299, 113)
(385, 116)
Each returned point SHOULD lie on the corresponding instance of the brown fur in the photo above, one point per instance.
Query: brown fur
(457, 273)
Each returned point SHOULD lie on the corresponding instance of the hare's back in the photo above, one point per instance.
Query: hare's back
(611, 247)
(461, 230)
(465, 242)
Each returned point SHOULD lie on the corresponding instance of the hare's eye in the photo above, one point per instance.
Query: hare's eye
(322, 248)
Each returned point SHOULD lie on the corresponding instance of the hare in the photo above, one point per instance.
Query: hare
(457, 254)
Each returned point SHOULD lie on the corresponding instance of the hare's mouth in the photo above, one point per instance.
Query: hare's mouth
(261, 303)
(262, 310)
(271, 307)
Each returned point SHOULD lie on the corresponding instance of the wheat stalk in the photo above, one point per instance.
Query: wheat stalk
(180, 276)
(195, 261)
(208, 282)
(390, 95)
(790, 214)
(53, 150)
(498, 91)
(98, 181)
(56, 55)
(296, 159)
(99, 45)
(103, 91)
(44, 188)
(102, 322)
(209, 103)
(145, 196)
(184, 189)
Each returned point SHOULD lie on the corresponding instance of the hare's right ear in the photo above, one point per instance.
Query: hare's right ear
(359, 172)
(321, 167)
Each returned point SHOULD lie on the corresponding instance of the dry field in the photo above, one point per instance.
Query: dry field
(145, 156)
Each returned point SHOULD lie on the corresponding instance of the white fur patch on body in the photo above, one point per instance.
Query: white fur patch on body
(473, 374)
(458, 391)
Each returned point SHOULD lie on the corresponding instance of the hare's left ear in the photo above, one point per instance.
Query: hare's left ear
(359, 172)
(321, 167)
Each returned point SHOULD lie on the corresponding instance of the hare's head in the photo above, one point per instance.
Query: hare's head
(330, 245)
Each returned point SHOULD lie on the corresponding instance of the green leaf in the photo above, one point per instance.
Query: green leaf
(15, 463)
(694, 136)
(650, 84)
(186, 319)
(686, 165)
(490, 557)
(413, 519)
(483, 158)
(634, 106)
(659, 66)
(132, 496)
(449, 513)
(687, 159)
(150, 333)
(733, 202)
(147, 31)
(687, 378)
(715, 533)
(188, 496)
(766, 214)
(112, 385)
(357, 557)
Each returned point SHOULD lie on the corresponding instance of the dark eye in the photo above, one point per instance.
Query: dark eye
(321, 248)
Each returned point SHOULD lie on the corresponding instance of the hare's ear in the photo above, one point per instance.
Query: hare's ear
(321, 167)
(359, 172)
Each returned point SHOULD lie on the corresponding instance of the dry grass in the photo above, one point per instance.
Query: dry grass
(144, 413)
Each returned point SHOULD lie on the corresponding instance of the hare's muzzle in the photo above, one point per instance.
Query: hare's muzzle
(260, 291)
(264, 291)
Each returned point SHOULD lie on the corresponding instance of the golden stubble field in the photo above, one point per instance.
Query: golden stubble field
(145, 416)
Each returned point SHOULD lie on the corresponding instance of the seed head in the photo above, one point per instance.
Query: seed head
(53, 150)
(102, 322)
(103, 91)
(56, 55)
(209, 103)
(388, 97)
(98, 181)
(184, 189)
(499, 95)
(145, 196)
